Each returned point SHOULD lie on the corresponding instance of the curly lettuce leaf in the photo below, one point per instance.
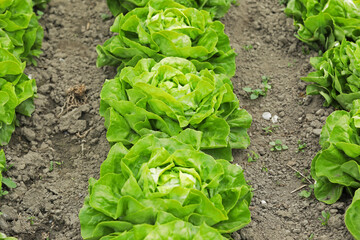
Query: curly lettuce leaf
(21, 25)
(217, 8)
(167, 29)
(322, 23)
(164, 177)
(337, 165)
(167, 97)
(16, 93)
(352, 216)
(337, 75)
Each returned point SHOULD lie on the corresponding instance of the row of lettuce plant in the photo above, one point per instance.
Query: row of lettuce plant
(334, 27)
(172, 119)
(20, 43)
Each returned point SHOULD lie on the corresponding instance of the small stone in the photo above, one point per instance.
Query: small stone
(263, 202)
(29, 134)
(266, 116)
(275, 119)
(3, 224)
(317, 132)
(320, 112)
(9, 213)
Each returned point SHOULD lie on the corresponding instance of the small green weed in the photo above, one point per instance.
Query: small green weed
(325, 216)
(269, 130)
(253, 156)
(301, 147)
(305, 194)
(255, 93)
(248, 47)
(31, 220)
(277, 145)
(105, 16)
(51, 168)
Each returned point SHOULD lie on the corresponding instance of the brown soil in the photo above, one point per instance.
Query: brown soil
(62, 145)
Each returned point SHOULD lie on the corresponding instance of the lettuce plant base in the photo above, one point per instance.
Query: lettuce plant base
(46, 203)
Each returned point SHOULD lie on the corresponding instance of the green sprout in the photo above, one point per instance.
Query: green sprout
(301, 147)
(305, 194)
(277, 145)
(255, 93)
(31, 220)
(248, 47)
(269, 130)
(325, 216)
(253, 156)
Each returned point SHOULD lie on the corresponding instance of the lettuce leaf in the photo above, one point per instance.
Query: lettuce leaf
(167, 29)
(2, 165)
(164, 98)
(16, 93)
(352, 216)
(337, 165)
(217, 8)
(162, 178)
(321, 23)
(19, 22)
(337, 75)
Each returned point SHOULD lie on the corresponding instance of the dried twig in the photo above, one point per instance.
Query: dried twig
(300, 174)
(299, 188)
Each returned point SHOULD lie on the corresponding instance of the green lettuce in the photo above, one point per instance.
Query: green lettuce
(337, 75)
(352, 216)
(16, 93)
(163, 180)
(217, 8)
(19, 22)
(337, 165)
(2, 167)
(40, 4)
(164, 28)
(4, 237)
(165, 98)
(321, 23)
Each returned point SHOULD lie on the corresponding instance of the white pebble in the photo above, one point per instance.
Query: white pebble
(275, 118)
(263, 202)
(266, 115)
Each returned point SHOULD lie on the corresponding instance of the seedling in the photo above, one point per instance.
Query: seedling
(301, 147)
(305, 194)
(3, 193)
(255, 93)
(248, 47)
(311, 237)
(51, 168)
(269, 130)
(264, 169)
(31, 220)
(277, 145)
(253, 156)
(105, 16)
(324, 218)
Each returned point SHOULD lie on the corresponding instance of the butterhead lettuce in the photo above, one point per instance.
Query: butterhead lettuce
(165, 98)
(217, 8)
(321, 23)
(164, 28)
(165, 180)
(337, 75)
